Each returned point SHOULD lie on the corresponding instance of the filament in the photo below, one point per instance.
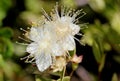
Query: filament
(21, 43)
(23, 30)
(24, 39)
(46, 15)
(79, 34)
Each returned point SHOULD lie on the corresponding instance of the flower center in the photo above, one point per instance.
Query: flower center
(44, 44)
(62, 31)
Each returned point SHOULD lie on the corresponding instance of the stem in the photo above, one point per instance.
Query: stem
(63, 73)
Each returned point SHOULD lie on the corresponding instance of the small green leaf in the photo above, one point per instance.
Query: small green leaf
(102, 63)
(96, 52)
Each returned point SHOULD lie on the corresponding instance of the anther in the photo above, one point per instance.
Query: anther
(23, 30)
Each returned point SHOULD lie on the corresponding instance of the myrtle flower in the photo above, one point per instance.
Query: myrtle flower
(53, 37)
(64, 26)
(43, 49)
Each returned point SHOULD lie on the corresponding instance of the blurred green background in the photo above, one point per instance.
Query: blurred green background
(101, 53)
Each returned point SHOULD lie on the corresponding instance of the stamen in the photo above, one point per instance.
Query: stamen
(41, 21)
(76, 22)
(84, 25)
(25, 57)
(69, 13)
(79, 41)
(66, 10)
(28, 28)
(32, 60)
(53, 11)
(23, 34)
(83, 14)
(56, 10)
(79, 34)
(46, 15)
(28, 59)
(76, 14)
(22, 43)
(24, 39)
(23, 30)
(62, 11)
(68, 55)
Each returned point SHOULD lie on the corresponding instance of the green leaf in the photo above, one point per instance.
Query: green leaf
(96, 51)
(101, 66)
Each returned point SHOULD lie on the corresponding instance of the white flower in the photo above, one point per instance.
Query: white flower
(43, 48)
(65, 31)
(51, 37)
(64, 27)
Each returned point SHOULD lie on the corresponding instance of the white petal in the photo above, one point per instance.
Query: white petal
(57, 50)
(75, 29)
(66, 19)
(32, 48)
(43, 61)
(34, 34)
(69, 43)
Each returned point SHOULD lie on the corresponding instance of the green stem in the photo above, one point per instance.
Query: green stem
(63, 73)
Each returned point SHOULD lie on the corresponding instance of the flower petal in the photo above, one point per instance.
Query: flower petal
(57, 50)
(32, 48)
(66, 19)
(75, 29)
(69, 43)
(34, 34)
(43, 61)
